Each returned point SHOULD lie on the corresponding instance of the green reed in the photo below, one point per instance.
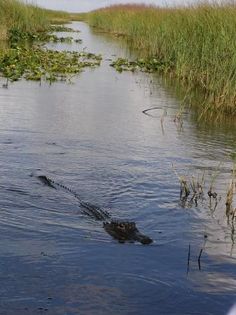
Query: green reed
(27, 28)
(15, 15)
(27, 18)
(196, 44)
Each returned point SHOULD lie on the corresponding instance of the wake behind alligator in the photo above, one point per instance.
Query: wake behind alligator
(123, 231)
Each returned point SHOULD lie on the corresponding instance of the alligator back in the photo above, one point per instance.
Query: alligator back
(123, 231)
(89, 209)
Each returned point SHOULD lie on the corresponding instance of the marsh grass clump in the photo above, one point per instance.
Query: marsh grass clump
(15, 15)
(26, 20)
(37, 63)
(194, 44)
(193, 189)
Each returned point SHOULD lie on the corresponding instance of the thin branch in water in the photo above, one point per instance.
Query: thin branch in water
(229, 199)
(162, 120)
(189, 253)
(199, 259)
(148, 109)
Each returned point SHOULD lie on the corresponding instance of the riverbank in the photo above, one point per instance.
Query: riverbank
(23, 18)
(92, 135)
(25, 30)
(194, 44)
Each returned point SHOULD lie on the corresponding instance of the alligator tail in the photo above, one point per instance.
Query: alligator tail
(88, 208)
(51, 183)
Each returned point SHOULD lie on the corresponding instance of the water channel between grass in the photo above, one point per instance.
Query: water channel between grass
(93, 136)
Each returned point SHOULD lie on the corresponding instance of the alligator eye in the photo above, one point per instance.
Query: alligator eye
(122, 226)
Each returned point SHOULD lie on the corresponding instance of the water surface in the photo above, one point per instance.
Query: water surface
(92, 136)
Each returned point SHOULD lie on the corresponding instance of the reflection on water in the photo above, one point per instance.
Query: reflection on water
(213, 282)
(93, 137)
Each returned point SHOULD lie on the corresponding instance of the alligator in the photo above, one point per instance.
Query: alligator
(123, 231)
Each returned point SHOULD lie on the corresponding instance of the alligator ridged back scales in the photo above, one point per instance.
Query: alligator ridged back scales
(88, 208)
(120, 230)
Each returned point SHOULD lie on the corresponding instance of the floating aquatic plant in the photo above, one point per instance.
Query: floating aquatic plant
(141, 64)
(62, 28)
(37, 63)
(16, 37)
(55, 39)
(27, 28)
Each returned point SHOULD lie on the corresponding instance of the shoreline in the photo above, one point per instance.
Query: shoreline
(192, 44)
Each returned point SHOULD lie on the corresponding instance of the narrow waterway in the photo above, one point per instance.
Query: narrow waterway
(92, 136)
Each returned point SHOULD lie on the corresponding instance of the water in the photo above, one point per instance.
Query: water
(92, 136)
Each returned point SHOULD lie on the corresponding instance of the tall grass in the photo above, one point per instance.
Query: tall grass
(15, 14)
(197, 44)
(26, 18)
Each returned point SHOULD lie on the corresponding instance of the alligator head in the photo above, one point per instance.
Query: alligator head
(124, 231)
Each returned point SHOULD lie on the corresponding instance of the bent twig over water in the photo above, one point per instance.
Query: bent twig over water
(123, 231)
(149, 109)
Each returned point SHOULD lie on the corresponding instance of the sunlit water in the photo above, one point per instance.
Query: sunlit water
(92, 136)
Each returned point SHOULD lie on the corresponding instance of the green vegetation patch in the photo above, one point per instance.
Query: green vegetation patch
(62, 28)
(196, 43)
(26, 28)
(26, 18)
(29, 18)
(37, 63)
(145, 65)
(16, 37)
(55, 39)
(62, 39)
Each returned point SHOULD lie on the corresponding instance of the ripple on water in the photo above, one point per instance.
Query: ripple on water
(93, 137)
